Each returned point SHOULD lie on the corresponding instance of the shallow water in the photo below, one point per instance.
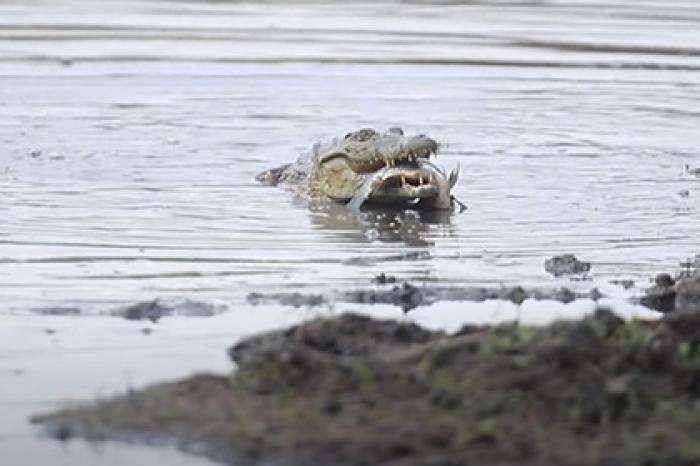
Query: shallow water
(122, 188)
(130, 135)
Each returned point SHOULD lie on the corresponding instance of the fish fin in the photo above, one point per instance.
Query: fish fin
(454, 176)
(457, 202)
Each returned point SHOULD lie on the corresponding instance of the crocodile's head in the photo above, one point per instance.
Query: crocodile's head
(388, 168)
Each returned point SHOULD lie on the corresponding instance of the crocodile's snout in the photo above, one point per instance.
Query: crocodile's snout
(366, 151)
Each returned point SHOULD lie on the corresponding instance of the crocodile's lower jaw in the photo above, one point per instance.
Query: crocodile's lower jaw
(408, 184)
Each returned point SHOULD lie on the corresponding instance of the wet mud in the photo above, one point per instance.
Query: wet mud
(152, 310)
(680, 292)
(408, 296)
(351, 390)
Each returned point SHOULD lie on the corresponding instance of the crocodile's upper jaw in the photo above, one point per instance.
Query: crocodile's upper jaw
(367, 151)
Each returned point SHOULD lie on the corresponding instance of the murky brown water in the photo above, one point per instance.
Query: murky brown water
(130, 133)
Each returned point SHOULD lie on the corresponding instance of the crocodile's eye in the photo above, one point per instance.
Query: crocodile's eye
(361, 135)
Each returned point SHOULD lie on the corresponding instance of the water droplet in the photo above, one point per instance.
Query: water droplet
(372, 234)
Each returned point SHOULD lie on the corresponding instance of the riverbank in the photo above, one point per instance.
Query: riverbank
(352, 390)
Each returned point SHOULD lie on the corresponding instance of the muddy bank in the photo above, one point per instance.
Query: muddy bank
(678, 292)
(351, 390)
(407, 296)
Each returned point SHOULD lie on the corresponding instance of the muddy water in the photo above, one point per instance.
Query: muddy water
(123, 183)
(130, 133)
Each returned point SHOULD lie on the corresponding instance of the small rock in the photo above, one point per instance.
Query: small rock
(663, 279)
(149, 310)
(383, 279)
(566, 264)
(626, 284)
(692, 170)
(662, 296)
(687, 296)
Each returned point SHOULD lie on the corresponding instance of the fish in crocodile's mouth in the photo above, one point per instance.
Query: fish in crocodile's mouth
(419, 183)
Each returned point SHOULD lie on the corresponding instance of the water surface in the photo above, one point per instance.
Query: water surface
(130, 133)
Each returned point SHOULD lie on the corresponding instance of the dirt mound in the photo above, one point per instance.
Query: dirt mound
(356, 391)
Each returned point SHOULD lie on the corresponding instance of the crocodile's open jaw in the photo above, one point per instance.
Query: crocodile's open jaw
(387, 168)
(406, 181)
(412, 183)
(369, 166)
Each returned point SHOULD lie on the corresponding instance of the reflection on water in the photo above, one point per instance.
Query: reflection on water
(375, 223)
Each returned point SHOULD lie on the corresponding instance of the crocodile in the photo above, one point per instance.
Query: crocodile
(368, 166)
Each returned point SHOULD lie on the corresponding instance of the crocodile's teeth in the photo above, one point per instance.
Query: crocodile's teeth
(420, 180)
(403, 180)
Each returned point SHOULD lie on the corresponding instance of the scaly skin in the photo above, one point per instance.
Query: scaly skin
(367, 165)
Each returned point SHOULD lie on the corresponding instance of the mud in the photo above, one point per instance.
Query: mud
(355, 391)
(680, 292)
(155, 310)
(408, 296)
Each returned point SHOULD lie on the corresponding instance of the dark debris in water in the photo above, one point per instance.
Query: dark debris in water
(383, 279)
(58, 311)
(155, 310)
(409, 256)
(408, 296)
(566, 264)
(152, 310)
(148, 310)
(287, 299)
(405, 296)
(624, 283)
(692, 170)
